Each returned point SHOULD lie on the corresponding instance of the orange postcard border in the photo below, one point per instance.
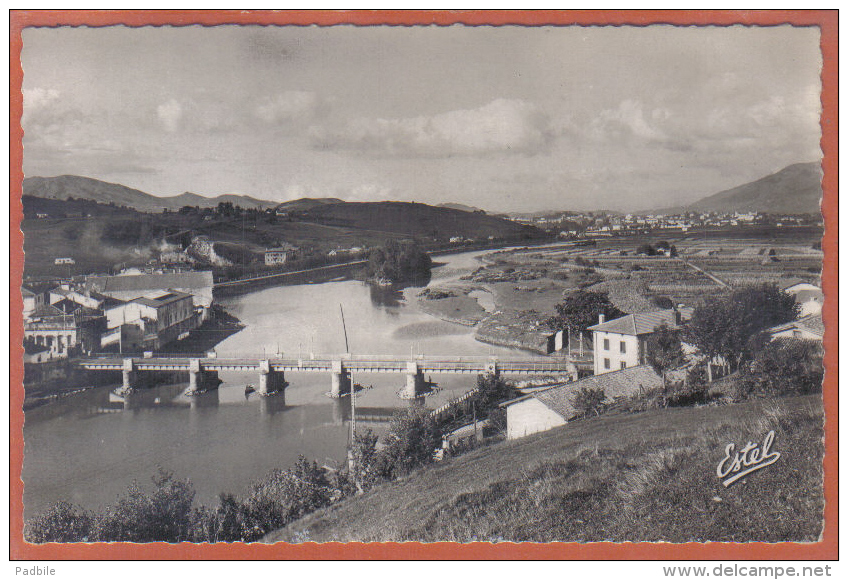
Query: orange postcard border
(825, 549)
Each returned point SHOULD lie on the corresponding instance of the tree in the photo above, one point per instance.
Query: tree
(62, 522)
(411, 441)
(787, 366)
(724, 326)
(399, 262)
(664, 351)
(663, 302)
(491, 390)
(165, 515)
(589, 400)
(580, 310)
(364, 464)
(646, 249)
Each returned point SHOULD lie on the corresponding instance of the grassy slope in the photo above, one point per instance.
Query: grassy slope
(646, 477)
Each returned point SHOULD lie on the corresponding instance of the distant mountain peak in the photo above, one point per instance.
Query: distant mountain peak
(795, 189)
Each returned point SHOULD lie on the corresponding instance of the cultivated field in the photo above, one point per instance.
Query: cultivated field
(526, 284)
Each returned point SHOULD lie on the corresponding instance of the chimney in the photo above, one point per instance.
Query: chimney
(677, 318)
(602, 318)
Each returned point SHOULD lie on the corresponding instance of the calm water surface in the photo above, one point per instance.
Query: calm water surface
(88, 447)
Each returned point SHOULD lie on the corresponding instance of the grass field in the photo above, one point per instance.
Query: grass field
(649, 476)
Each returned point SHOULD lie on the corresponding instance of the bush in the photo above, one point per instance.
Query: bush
(785, 366)
(165, 515)
(589, 400)
(62, 522)
(663, 302)
(410, 442)
(364, 452)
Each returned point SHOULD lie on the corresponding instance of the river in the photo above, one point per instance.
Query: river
(88, 447)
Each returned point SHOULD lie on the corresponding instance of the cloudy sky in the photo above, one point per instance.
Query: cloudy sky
(508, 119)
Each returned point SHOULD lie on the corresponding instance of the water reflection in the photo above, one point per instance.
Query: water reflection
(390, 296)
(271, 404)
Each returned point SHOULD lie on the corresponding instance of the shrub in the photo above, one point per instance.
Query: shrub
(589, 400)
(62, 522)
(165, 515)
(364, 455)
(786, 366)
(410, 442)
(662, 302)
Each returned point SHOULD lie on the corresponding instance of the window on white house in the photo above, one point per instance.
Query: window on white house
(622, 347)
(623, 364)
(606, 344)
(606, 363)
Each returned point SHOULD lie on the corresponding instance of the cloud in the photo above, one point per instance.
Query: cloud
(288, 107)
(628, 121)
(169, 114)
(502, 126)
(724, 129)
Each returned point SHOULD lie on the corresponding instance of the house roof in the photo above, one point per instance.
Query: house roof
(283, 248)
(26, 292)
(787, 283)
(812, 323)
(643, 322)
(147, 282)
(159, 301)
(624, 382)
(46, 311)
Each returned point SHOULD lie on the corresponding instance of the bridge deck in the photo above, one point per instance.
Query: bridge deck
(357, 363)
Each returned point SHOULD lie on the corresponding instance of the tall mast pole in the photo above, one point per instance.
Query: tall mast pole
(352, 387)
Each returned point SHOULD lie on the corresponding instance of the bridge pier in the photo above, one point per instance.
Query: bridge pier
(128, 375)
(339, 380)
(200, 380)
(493, 369)
(271, 382)
(414, 381)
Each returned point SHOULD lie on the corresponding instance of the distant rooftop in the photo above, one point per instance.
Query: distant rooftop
(163, 299)
(812, 323)
(146, 282)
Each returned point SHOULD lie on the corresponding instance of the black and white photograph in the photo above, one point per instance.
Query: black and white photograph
(290, 284)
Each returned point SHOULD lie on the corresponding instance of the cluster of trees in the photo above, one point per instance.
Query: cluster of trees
(660, 248)
(580, 310)
(399, 262)
(730, 327)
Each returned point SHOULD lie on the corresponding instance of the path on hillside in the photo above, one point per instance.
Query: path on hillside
(718, 281)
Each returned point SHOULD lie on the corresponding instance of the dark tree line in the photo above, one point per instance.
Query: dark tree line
(399, 262)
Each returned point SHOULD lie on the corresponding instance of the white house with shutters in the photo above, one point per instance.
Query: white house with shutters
(621, 343)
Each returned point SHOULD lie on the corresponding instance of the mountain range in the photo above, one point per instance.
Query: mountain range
(795, 189)
(63, 187)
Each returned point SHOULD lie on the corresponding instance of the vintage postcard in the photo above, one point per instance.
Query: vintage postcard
(388, 285)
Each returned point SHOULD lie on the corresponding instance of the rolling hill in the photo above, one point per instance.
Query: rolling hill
(64, 186)
(307, 203)
(417, 219)
(795, 189)
(461, 207)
